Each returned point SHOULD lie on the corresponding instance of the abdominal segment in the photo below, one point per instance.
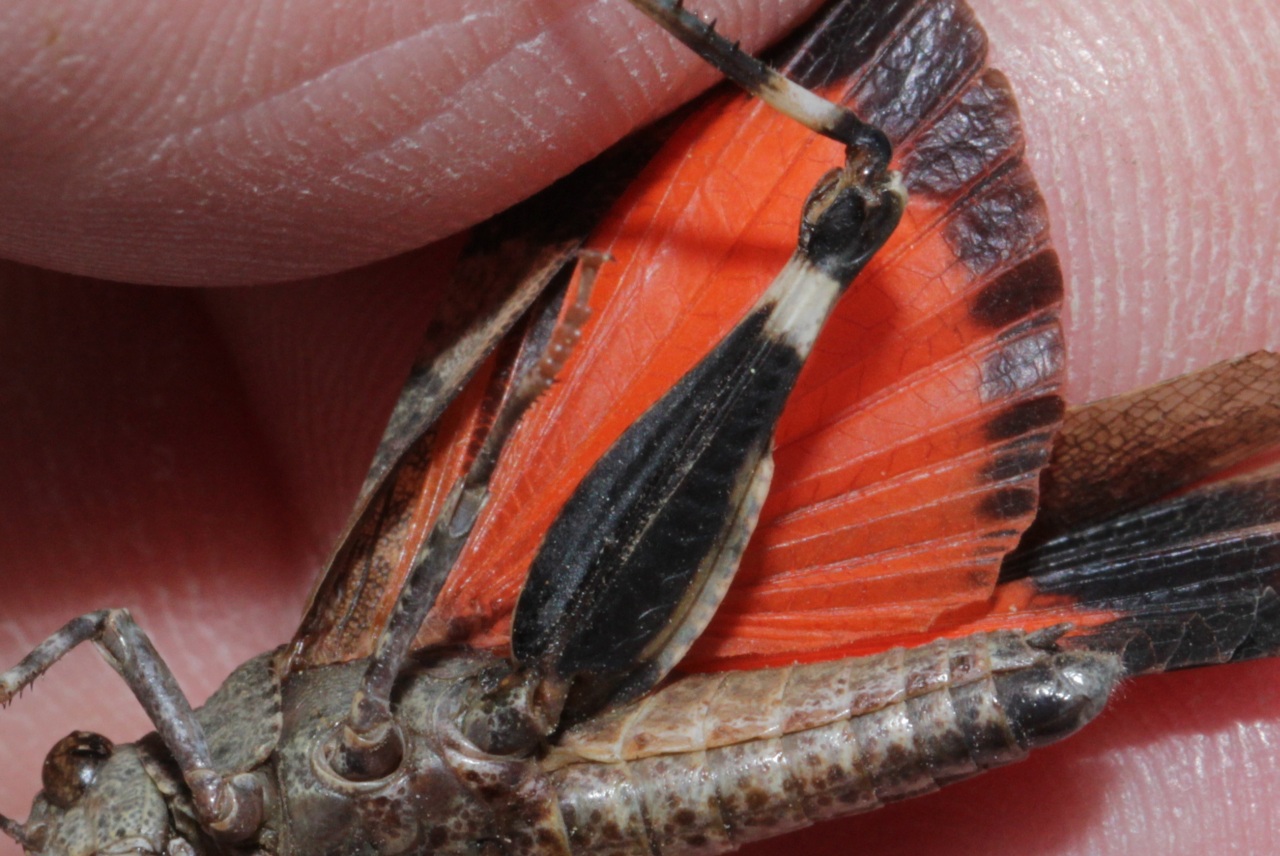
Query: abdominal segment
(714, 761)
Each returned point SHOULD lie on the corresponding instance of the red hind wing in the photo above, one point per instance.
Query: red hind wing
(908, 456)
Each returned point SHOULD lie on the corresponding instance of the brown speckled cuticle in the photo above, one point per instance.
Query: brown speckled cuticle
(875, 729)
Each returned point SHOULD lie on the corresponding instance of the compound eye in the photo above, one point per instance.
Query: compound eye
(72, 765)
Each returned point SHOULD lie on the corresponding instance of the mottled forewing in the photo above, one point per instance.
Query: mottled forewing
(507, 263)
(1182, 580)
(1189, 581)
(1122, 452)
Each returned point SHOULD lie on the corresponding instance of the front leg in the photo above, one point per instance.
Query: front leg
(228, 806)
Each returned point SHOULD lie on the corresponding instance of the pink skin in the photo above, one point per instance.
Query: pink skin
(191, 453)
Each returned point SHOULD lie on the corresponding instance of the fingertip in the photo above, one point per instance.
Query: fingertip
(302, 141)
(1146, 128)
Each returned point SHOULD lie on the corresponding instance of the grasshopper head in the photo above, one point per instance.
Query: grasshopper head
(98, 800)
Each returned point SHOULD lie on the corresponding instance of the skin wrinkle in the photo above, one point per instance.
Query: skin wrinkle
(477, 82)
(636, 46)
(1248, 74)
(101, 70)
(221, 181)
(443, 30)
(1206, 243)
(270, 103)
(183, 137)
(1122, 161)
(1180, 231)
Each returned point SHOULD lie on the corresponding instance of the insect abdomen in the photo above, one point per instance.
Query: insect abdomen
(716, 761)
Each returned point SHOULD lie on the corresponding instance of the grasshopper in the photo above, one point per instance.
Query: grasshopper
(584, 738)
